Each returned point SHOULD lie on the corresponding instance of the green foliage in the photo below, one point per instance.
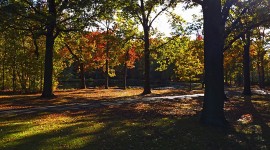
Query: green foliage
(185, 55)
(21, 68)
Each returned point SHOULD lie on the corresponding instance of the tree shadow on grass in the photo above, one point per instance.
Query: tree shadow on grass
(144, 125)
(252, 121)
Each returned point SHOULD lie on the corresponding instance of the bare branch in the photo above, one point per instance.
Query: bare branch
(234, 24)
(165, 43)
(162, 10)
(200, 2)
(70, 51)
(226, 10)
(245, 31)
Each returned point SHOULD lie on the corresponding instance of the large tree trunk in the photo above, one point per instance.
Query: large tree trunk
(213, 112)
(82, 76)
(48, 69)
(147, 88)
(246, 65)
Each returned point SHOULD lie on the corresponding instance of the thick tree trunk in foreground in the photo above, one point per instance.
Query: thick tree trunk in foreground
(48, 69)
(246, 65)
(213, 112)
(147, 88)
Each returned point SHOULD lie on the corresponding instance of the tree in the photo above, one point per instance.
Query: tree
(106, 23)
(260, 43)
(216, 31)
(146, 12)
(127, 32)
(76, 45)
(50, 18)
(185, 56)
(246, 63)
(249, 15)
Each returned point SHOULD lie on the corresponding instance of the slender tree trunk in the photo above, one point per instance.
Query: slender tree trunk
(125, 69)
(147, 88)
(3, 75)
(230, 80)
(82, 76)
(190, 88)
(226, 77)
(262, 85)
(259, 73)
(125, 76)
(107, 61)
(13, 79)
(48, 69)
(246, 65)
(213, 112)
(41, 79)
(107, 68)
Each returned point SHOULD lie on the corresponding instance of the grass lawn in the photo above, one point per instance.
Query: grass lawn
(168, 124)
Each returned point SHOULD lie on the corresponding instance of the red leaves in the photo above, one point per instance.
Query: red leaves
(199, 37)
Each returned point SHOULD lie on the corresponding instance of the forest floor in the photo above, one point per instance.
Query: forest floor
(124, 119)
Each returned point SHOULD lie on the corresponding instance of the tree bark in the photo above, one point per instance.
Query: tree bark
(48, 69)
(246, 65)
(107, 61)
(82, 76)
(107, 68)
(262, 85)
(213, 106)
(190, 85)
(125, 69)
(147, 88)
(13, 79)
(3, 74)
(125, 76)
(41, 79)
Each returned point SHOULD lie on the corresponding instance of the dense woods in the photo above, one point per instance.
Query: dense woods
(55, 44)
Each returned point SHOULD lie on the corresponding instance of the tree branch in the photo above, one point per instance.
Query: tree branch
(245, 31)
(70, 51)
(162, 10)
(226, 10)
(200, 2)
(165, 43)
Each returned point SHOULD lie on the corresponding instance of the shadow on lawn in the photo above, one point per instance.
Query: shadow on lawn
(8, 102)
(159, 125)
(145, 125)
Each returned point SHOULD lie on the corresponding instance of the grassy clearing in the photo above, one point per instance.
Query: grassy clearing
(170, 124)
(77, 96)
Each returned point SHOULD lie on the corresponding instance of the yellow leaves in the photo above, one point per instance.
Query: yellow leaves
(246, 119)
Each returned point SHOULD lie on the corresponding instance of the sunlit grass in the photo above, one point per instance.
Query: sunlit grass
(168, 124)
(78, 96)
